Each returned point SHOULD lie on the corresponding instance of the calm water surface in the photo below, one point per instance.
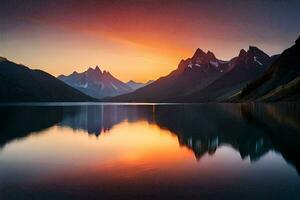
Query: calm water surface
(204, 151)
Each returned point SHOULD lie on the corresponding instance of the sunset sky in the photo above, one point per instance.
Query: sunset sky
(139, 39)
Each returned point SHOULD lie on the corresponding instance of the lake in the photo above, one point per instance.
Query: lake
(150, 151)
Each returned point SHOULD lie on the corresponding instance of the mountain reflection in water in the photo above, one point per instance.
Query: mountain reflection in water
(251, 130)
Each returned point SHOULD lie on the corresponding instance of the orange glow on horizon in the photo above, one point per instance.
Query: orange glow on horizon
(126, 144)
(139, 41)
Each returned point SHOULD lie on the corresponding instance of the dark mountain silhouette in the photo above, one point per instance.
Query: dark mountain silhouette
(246, 67)
(19, 84)
(2, 59)
(280, 82)
(192, 74)
(204, 78)
(96, 83)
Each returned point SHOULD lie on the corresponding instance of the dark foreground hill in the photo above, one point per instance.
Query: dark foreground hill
(281, 82)
(21, 84)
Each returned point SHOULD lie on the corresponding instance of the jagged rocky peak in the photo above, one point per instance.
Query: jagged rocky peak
(97, 69)
(134, 82)
(252, 57)
(251, 52)
(211, 56)
(298, 41)
(105, 72)
(242, 53)
(242, 57)
(135, 85)
(90, 69)
(254, 51)
(183, 64)
(94, 71)
(96, 83)
(131, 81)
(257, 56)
(74, 73)
(201, 58)
(199, 53)
(253, 48)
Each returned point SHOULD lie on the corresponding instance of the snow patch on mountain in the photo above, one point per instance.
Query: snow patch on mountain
(83, 85)
(115, 87)
(255, 60)
(96, 83)
(214, 63)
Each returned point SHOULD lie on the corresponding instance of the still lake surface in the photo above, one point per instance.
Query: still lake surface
(150, 151)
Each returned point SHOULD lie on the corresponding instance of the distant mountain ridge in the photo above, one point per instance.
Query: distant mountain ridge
(136, 85)
(21, 84)
(96, 83)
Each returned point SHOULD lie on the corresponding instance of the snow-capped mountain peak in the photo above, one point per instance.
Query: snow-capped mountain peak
(96, 83)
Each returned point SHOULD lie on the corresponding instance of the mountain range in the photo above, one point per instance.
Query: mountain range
(246, 67)
(18, 83)
(250, 76)
(191, 74)
(203, 77)
(98, 84)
